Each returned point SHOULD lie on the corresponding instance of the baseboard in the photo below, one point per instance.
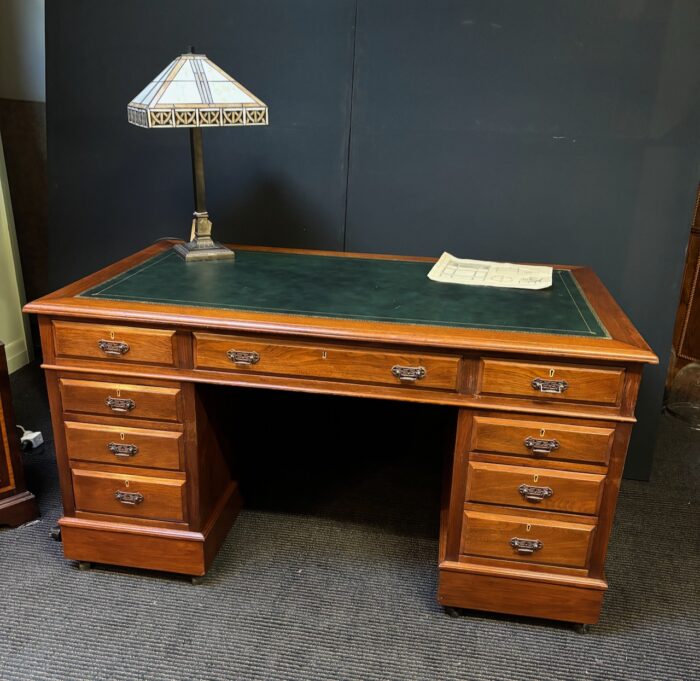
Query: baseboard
(17, 354)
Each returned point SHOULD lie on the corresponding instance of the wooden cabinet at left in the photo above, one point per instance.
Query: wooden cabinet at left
(17, 505)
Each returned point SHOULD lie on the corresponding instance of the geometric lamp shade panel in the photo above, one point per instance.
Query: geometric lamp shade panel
(193, 92)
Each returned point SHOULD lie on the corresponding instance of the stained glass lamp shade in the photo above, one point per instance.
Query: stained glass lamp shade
(193, 92)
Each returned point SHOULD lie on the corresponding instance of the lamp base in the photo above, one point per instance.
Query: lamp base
(196, 250)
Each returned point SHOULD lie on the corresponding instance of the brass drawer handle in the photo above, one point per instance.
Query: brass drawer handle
(532, 493)
(113, 348)
(243, 357)
(538, 446)
(545, 385)
(122, 405)
(123, 450)
(526, 546)
(408, 374)
(128, 498)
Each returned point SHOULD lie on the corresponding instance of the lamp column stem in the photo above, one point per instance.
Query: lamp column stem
(198, 170)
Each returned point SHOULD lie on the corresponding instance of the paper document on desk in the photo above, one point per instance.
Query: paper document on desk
(451, 270)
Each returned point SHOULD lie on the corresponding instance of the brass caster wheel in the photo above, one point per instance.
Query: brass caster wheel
(55, 533)
(196, 581)
(582, 628)
(452, 612)
(84, 565)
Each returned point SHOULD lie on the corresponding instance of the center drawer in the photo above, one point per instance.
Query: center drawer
(526, 538)
(263, 356)
(541, 488)
(129, 495)
(120, 399)
(124, 446)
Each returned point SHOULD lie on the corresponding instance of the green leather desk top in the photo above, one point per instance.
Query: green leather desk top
(395, 291)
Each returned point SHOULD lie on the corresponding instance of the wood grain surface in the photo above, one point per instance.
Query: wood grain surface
(500, 484)
(489, 534)
(577, 441)
(154, 448)
(146, 346)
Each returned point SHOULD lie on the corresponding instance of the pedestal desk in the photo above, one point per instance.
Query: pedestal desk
(542, 383)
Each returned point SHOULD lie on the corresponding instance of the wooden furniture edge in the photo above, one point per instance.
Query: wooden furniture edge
(329, 387)
(522, 574)
(18, 509)
(629, 347)
(126, 528)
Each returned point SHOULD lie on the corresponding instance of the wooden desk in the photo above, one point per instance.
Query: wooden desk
(543, 385)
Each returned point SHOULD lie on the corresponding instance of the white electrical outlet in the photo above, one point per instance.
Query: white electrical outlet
(31, 439)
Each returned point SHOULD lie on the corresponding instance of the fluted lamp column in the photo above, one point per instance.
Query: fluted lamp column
(193, 92)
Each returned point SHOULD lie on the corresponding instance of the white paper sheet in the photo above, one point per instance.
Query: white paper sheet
(451, 270)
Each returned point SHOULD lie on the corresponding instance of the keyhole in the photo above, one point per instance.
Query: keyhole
(119, 392)
(542, 432)
(126, 483)
(535, 477)
(121, 436)
(111, 335)
(324, 354)
(528, 527)
(551, 373)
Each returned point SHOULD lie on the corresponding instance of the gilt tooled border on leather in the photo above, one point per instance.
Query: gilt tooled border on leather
(99, 291)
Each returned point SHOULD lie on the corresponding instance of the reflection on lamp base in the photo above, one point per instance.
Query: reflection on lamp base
(203, 249)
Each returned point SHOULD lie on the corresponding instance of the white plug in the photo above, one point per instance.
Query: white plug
(30, 439)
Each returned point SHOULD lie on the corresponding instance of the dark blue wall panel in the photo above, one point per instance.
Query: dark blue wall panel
(547, 131)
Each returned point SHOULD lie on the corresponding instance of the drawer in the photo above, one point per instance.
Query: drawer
(124, 446)
(114, 343)
(327, 362)
(542, 488)
(120, 399)
(526, 538)
(559, 382)
(141, 497)
(534, 438)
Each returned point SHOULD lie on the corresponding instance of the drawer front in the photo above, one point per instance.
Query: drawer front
(542, 439)
(120, 399)
(525, 538)
(124, 446)
(327, 362)
(114, 343)
(539, 488)
(129, 495)
(560, 382)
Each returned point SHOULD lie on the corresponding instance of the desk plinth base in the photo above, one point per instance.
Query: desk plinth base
(151, 548)
(18, 509)
(577, 601)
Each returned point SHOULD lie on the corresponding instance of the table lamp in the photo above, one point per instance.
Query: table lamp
(193, 92)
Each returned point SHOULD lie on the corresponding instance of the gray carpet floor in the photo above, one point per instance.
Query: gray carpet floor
(335, 579)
